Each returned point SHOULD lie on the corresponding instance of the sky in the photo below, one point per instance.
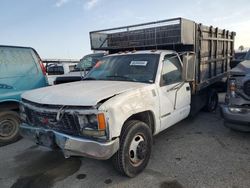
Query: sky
(60, 28)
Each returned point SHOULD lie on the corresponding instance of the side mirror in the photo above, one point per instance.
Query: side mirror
(188, 73)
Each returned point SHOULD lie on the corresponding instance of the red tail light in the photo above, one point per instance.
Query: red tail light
(42, 67)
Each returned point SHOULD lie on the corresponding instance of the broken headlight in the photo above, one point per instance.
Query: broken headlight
(92, 124)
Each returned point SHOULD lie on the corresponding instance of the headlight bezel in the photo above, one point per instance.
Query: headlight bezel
(90, 125)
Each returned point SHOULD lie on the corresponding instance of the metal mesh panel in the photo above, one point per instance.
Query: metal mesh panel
(154, 34)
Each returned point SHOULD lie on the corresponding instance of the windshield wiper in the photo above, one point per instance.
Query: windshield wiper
(125, 77)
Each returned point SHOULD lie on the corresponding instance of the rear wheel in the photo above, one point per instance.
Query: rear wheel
(135, 148)
(212, 101)
(9, 127)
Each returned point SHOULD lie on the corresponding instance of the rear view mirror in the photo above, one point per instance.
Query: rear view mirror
(188, 73)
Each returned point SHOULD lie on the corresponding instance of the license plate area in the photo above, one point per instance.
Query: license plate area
(46, 139)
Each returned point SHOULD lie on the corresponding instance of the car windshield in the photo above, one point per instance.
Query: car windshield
(87, 62)
(129, 67)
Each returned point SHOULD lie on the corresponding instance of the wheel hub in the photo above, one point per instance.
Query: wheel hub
(137, 150)
(141, 150)
(6, 128)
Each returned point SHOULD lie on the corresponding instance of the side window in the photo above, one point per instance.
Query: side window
(171, 70)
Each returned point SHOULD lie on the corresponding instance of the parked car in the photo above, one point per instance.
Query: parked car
(239, 57)
(236, 110)
(55, 69)
(21, 70)
(80, 70)
(132, 94)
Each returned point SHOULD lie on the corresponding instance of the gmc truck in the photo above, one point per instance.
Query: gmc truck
(155, 76)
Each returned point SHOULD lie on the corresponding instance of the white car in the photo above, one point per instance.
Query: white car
(54, 70)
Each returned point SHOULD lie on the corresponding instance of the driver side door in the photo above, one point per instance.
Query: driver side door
(174, 93)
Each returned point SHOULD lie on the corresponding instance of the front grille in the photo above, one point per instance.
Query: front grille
(247, 87)
(68, 124)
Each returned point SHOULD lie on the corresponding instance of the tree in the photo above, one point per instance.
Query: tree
(241, 47)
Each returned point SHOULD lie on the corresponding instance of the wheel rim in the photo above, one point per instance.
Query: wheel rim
(7, 128)
(137, 150)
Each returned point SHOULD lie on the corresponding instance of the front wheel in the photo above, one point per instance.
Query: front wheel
(9, 127)
(135, 148)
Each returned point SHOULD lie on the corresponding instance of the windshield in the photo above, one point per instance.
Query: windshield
(247, 57)
(87, 62)
(16, 61)
(132, 67)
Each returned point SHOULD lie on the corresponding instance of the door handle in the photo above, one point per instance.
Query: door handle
(187, 88)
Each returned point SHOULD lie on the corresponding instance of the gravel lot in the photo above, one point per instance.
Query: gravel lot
(198, 152)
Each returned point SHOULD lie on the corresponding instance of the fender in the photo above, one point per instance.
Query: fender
(120, 107)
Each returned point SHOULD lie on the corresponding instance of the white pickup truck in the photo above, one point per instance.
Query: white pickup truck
(130, 96)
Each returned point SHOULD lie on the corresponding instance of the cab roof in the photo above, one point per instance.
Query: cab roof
(142, 52)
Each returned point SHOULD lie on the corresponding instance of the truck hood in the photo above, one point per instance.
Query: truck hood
(242, 68)
(82, 93)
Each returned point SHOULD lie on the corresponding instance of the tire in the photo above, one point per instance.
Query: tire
(9, 127)
(135, 148)
(212, 101)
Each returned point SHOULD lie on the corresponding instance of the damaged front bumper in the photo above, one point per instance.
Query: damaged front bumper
(236, 117)
(71, 146)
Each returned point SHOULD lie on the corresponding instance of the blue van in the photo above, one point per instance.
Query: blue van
(21, 69)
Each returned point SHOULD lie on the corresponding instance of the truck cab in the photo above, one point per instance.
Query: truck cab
(141, 89)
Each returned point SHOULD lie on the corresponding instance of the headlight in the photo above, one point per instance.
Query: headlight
(238, 110)
(235, 110)
(93, 124)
